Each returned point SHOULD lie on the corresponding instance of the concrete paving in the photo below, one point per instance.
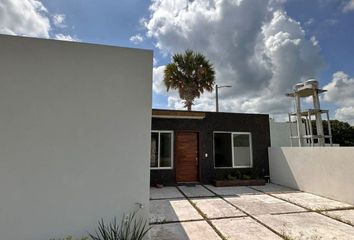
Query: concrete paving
(274, 188)
(342, 215)
(263, 204)
(243, 228)
(165, 193)
(312, 201)
(199, 230)
(216, 208)
(232, 191)
(270, 212)
(308, 225)
(162, 211)
(195, 191)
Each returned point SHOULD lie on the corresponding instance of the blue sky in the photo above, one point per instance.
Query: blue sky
(114, 22)
(333, 29)
(324, 51)
(335, 32)
(105, 22)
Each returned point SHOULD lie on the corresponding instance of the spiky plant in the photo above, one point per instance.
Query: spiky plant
(130, 228)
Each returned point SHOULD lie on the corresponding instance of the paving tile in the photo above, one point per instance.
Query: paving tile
(216, 208)
(343, 215)
(243, 228)
(195, 191)
(165, 193)
(312, 201)
(199, 230)
(308, 225)
(172, 210)
(274, 188)
(263, 204)
(230, 191)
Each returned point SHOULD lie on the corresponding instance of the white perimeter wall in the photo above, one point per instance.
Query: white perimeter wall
(326, 171)
(280, 133)
(75, 125)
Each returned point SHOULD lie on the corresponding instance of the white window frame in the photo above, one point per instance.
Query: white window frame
(232, 149)
(158, 153)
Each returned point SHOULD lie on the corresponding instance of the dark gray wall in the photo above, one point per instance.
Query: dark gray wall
(256, 124)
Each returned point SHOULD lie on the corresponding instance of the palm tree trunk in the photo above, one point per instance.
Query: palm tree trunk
(189, 106)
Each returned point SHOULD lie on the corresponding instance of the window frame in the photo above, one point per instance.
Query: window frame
(232, 149)
(159, 149)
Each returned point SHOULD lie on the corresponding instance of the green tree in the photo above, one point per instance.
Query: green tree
(191, 74)
(342, 132)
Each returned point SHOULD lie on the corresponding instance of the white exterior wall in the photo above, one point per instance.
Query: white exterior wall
(326, 171)
(280, 133)
(75, 124)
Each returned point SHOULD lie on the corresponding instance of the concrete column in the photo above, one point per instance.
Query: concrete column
(319, 125)
(217, 98)
(299, 120)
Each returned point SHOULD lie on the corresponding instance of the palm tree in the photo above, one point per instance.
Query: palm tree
(190, 73)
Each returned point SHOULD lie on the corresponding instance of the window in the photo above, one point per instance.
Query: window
(232, 150)
(161, 150)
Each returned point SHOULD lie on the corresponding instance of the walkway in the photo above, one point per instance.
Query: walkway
(266, 212)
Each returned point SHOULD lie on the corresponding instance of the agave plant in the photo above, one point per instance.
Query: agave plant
(130, 228)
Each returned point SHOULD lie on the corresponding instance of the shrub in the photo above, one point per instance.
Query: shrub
(130, 228)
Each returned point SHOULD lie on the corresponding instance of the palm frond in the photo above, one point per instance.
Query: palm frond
(191, 73)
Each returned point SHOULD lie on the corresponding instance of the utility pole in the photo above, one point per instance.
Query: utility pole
(217, 95)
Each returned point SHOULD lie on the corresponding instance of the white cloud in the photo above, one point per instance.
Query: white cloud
(340, 91)
(331, 22)
(24, 17)
(309, 22)
(348, 6)
(63, 37)
(136, 39)
(345, 114)
(59, 20)
(254, 45)
(154, 61)
(30, 18)
(157, 83)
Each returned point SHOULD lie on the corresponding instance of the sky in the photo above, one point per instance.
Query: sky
(259, 47)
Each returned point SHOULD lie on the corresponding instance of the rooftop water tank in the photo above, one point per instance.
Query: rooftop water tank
(298, 86)
(312, 82)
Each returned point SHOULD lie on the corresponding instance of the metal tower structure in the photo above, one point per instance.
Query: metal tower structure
(306, 137)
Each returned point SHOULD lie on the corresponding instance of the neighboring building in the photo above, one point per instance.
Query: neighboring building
(202, 146)
(75, 122)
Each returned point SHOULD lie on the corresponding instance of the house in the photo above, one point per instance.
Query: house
(204, 146)
(75, 122)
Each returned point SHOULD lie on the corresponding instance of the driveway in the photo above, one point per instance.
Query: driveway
(205, 212)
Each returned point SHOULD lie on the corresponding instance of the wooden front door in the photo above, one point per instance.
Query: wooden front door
(186, 157)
